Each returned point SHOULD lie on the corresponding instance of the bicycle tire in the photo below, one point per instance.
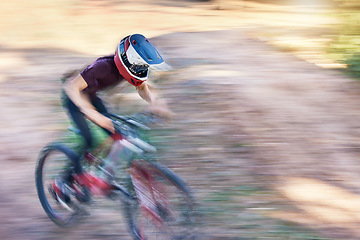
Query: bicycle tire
(159, 213)
(64, 157)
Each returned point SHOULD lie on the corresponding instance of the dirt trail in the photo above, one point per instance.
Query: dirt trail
(300, 120)
(263, 137)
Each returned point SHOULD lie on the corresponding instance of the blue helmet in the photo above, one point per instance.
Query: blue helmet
(133, 57)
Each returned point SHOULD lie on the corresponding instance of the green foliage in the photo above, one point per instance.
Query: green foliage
(345, 47)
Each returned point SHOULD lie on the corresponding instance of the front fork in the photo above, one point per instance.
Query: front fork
(149, 194)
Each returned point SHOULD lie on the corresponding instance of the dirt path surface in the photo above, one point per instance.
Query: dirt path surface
(269, 142)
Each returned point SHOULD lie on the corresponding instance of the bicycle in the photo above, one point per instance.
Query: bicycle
(157, 203)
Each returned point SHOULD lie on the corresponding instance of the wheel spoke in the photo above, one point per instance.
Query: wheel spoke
(53, 163)
(164, 204)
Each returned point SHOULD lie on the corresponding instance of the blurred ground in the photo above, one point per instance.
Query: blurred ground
(269, 140)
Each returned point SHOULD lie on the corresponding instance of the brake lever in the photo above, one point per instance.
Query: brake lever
(121, 128)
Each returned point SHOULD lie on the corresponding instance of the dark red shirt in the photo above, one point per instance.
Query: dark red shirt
(101, 74)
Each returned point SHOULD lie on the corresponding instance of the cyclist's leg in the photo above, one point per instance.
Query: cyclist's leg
(80, 121)
(100, 107)
(64, 182)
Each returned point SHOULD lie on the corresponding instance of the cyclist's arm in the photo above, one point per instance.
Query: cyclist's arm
(73, 89)
(157, 105)
(145, 93)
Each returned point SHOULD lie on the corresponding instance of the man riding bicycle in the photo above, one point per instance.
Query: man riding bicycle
(131, 62)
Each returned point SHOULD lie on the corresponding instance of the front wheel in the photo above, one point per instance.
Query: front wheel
(164, 208)
(54, 161)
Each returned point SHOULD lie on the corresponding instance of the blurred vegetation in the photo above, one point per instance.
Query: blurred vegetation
(345, 47)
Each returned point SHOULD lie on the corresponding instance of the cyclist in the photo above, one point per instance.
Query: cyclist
(131, 62)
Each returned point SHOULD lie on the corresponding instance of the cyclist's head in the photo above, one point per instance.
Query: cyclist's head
(133, 57)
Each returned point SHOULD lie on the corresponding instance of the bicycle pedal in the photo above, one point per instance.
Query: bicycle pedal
(66, 204)
(52, 192)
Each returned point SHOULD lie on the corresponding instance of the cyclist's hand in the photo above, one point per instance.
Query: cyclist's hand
(105, 122)
(161, 110)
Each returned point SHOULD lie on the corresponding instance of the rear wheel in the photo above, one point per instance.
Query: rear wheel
(164, 207)
(54, 162)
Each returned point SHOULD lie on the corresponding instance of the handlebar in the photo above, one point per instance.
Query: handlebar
(129, 120)
(138, 120)
(127, 127)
